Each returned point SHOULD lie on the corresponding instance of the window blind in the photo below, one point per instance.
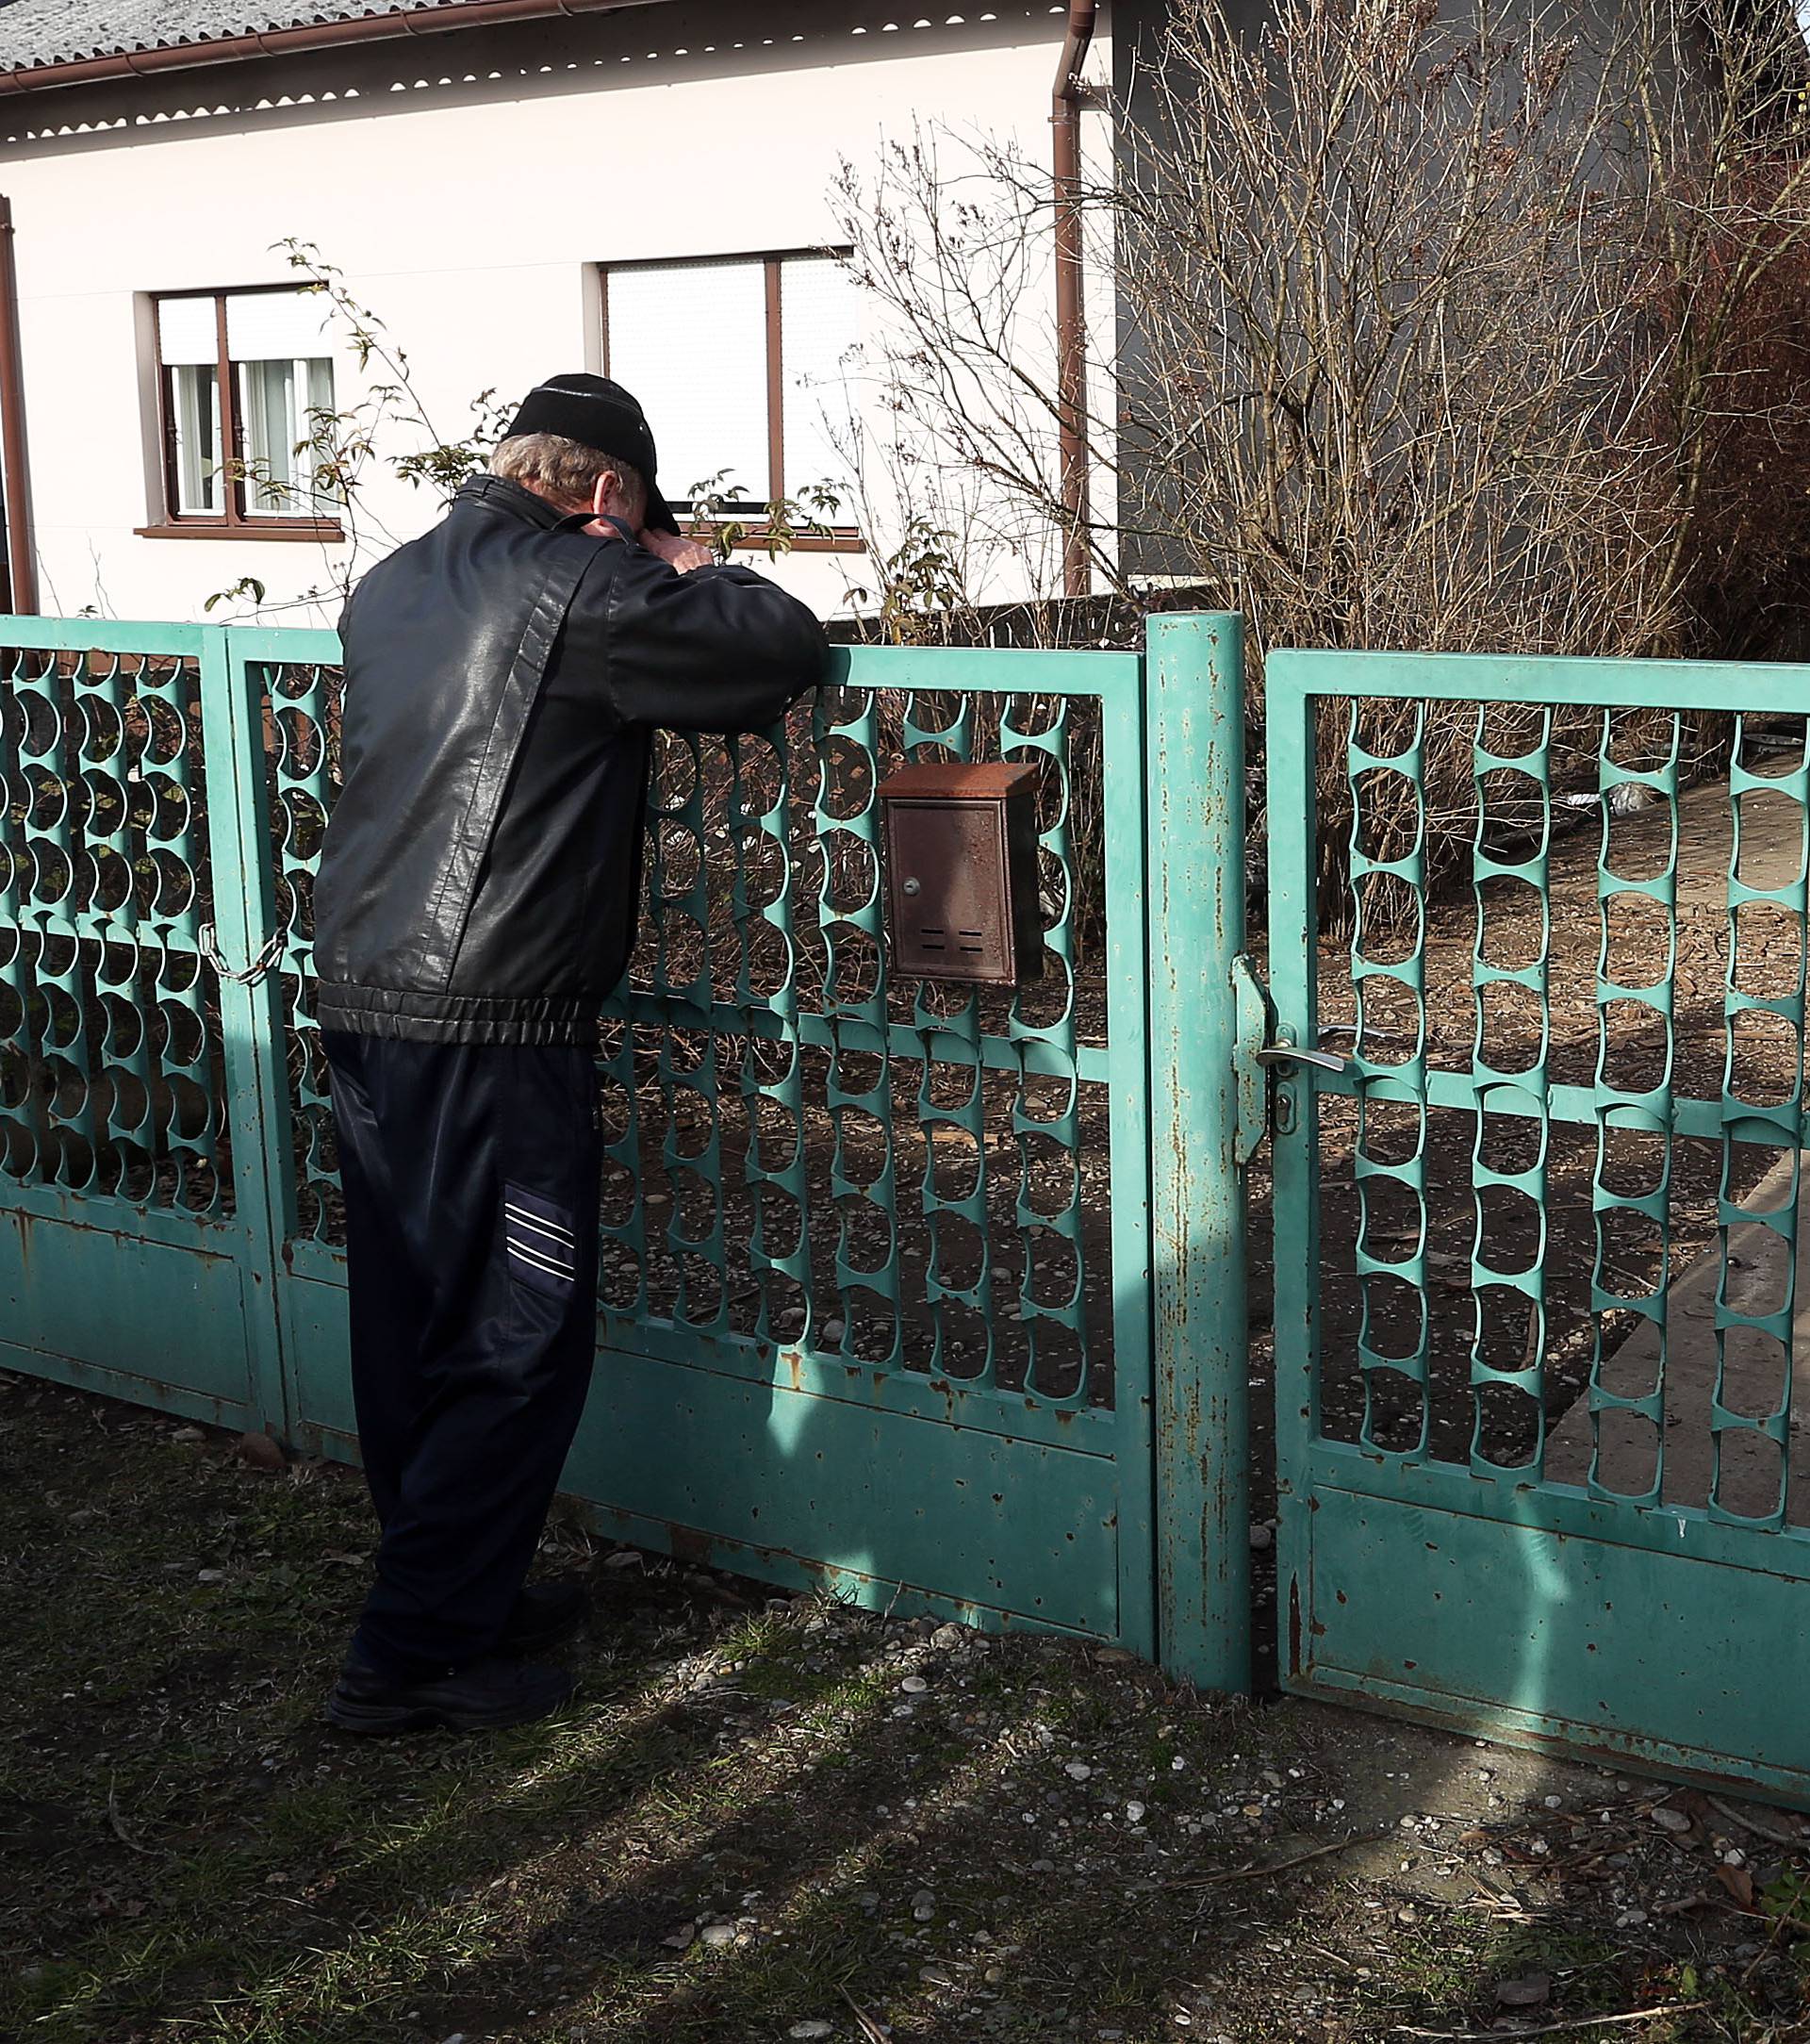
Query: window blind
(820, 324)
(278, 326)
(689, 340)
(187, 333)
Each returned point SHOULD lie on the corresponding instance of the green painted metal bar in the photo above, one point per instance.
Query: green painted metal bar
(1684, 1115)
(902, 1043)
(1295, 1106)
(1750, 688)
(244, 919)
(1195, 711)
(913, 669)
(1690, 1532)
(948, 1401)
(1129, 936)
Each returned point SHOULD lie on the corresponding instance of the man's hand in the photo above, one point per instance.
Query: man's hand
(683, 554)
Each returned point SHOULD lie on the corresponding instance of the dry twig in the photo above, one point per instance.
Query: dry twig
(117, 1823)
(1255, 1872)
(1553, 2029)
(869, 2029)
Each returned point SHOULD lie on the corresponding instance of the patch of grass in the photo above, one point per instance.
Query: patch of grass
(735, 1827)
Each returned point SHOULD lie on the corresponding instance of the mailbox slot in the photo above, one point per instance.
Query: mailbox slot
(961, 873)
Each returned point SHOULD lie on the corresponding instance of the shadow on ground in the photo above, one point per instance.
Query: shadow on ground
(770, 1819)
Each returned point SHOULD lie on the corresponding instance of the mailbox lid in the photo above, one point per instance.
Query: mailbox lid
(960, 781)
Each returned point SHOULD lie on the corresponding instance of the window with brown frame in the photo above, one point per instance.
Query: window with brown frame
(243, 377)
(746, 368)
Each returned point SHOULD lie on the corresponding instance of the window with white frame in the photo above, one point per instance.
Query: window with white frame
(747, 367)
(244, 378)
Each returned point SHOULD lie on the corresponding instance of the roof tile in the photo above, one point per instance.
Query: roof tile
(34, 32)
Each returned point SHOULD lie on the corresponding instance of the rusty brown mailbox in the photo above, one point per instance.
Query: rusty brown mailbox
(962, 872)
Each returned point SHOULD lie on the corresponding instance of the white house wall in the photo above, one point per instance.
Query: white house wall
(466, 186)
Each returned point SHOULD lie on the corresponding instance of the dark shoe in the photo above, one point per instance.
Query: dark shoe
(490, 1695)
(545, 1614)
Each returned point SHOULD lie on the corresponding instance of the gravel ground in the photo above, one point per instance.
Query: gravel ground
(772, 1818)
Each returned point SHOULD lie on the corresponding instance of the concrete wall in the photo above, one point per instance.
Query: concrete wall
(468, 186)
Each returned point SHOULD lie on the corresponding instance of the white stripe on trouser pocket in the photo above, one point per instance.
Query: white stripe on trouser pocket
(563, 1236)
(543, 1248)
(540, 1262)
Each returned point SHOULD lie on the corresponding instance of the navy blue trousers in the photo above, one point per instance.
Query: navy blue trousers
(471, 1178)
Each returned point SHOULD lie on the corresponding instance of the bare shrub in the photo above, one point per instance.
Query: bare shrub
(1464, 330)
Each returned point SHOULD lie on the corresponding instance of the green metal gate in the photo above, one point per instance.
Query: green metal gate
(132, 1259)
(876, 1305)
(944, 1297)
(1536, 1202)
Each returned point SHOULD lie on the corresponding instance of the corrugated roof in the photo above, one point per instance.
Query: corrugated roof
(34, 32)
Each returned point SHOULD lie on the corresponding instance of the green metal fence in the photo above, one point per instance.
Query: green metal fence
(876, 1307)
(1536, 1235)
(940, 1298)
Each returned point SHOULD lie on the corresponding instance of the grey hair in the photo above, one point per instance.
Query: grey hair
(565, 471)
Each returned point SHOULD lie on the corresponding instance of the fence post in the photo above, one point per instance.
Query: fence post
(243, 918)
(1195, 710)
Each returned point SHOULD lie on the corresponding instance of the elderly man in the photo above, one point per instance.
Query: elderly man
(477, 900)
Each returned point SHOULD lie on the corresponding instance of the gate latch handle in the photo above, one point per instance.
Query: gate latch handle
(1259, 1053)
(1285, 1054)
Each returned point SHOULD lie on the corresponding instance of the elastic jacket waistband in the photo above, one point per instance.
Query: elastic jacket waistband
(456, 1018)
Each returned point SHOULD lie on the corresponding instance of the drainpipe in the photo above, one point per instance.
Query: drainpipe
(1071, 310)
(20, 557)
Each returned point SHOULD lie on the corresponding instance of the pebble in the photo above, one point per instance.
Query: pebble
(945, 1639)
(718, 1933)
(924, 1905)
(677, 1940)
(834, 1330)
(915, 1685)
(1529, 1991)
(211, 1575)
(1134, 1813)
(1077, 1769)
(813, 2026)
(1668, 1819)
(1262, 1538)
(188, 1436)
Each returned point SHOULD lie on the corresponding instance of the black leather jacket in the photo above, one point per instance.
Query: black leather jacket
(480, 877)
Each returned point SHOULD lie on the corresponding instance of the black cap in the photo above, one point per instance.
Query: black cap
(597, 412)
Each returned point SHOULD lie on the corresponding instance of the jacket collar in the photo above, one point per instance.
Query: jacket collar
(497, 493)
